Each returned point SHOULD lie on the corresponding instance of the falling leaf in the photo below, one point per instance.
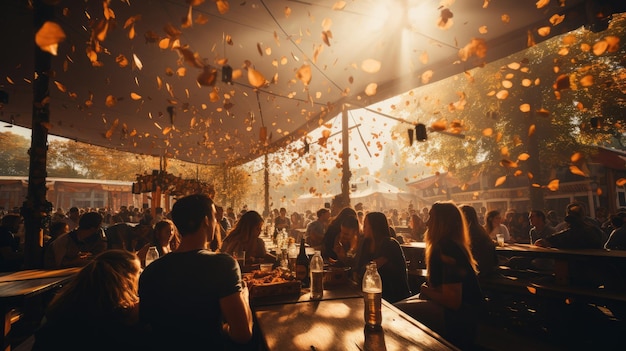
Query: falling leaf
(326, 36)
(531, 130)
(208, 76)
(505, 18)
(304, 74)
(426, 76)
(121, 60)
(586, 81)
(49, 36)
(110, 101)
(504, 151)
(60, 86)
(482, 30)
(544, 31)
(476, 47)
(191, 57)
(526, 82)
(371, 88)
(620, 182)
(137, 61)
(445, 19)
(613, 43)
(222, 6)
(543, 112)
(502, 94)
(523, 156)
(500, 181)
(508, 164)
(524, 107)
(600, 47)
(577, 171)
(518, 173)
(255, 78)
(553, 185)
(556, 19)
(339, 5)
(487, 132)
(542, 3)
(439, 125)
(576, 157)
(370, 66)
(135, 96)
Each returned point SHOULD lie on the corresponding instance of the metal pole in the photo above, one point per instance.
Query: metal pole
(266, 186)
(344, 200)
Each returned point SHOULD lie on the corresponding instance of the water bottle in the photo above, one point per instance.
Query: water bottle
(372, 294)
(151, 255)
(317, 276)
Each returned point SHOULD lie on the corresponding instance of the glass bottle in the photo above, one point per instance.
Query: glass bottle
(151, 255)
(317, 276)
(292, 253)
(372, 295)
(302, 265)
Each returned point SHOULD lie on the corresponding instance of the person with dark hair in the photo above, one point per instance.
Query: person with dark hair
(97, 310)
(580, 234)
(316, 229)
(494, 226)
(333, 231)
(11, 255)
(482, 247)
(73, 216)
(245, 236)
(161, 237)
(449, 301)
(540, 229)
(78, 247)
(192, 294)
(617, 239)
(379, 246)
(340, 249)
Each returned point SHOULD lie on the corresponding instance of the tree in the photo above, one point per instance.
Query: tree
(14, 157)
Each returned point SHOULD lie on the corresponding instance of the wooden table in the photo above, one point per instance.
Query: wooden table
(16, 287)
(338, 324)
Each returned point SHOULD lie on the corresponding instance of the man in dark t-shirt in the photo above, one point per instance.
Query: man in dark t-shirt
(187, 294)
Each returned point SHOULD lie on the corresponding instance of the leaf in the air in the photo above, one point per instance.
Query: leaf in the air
(500, 181)
(553, 185)
(49, 36)
(577, 171)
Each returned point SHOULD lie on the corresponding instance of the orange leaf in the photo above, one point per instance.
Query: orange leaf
(553, 185)
(500, 181)
(620, 182)
(577, 171)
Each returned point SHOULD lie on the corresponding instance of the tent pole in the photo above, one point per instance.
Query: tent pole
(266, 186)
(36, 209)
(344, 200)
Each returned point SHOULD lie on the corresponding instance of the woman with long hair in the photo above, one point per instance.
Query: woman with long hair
(245, 236)
(482, 247)
(448, 302)
(417, 227)
(98, 309)
(494, 226)
(380, 247)
(163, 238)
(333, 232)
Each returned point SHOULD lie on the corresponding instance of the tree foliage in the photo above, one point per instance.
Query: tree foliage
(14, 159)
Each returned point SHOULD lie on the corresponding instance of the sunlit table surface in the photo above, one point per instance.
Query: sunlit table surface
(338, 325)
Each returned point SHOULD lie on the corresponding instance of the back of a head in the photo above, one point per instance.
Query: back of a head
(90, 220)
(246, 223)
(189, 212)
(575, 212)
(446, 221)
(379, 224)
(350, 222)
(11, 221)
(321, 212)
(470, 215)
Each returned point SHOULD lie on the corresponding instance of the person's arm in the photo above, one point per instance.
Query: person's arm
(447, 295)
(236, 311)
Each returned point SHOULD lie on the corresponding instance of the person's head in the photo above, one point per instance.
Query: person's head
(90, 221)
(192, 212)
(163, 232)
(249, 226)
(58, 228)
(11, 221)
(349, 228)
(471, 217)
(492, 220)
(415, 221)
(537, 218)
(323, 214)
(446, 221)
(283, 212)
(376, 226)
(105, 285)
(74, 213)
(345, 212)
(617, 220)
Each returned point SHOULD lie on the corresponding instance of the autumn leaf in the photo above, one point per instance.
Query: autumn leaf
(620, 182)
(49, 36)
(553, 185)
(523, 156)
(500, 181)
(577, 171)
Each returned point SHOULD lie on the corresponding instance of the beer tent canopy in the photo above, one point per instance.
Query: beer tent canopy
(154, 76)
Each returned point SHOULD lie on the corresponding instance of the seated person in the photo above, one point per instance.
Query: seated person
(78, 247)
(316, 229)
(379, 246)
(162, 236)
(98, 309)
(11, 255)
(245, 236)
(193, 297)
(340, 249)
(617, 239)
(580, 235)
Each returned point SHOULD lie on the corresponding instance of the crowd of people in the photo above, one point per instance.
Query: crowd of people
(195, 289)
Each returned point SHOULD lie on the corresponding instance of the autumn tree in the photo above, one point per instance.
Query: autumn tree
(14, 159)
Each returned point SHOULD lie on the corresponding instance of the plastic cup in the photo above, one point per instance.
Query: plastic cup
(500, 240)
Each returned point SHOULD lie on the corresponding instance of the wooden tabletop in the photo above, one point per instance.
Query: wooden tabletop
(532, 250)
(339, 325)
(347, 290)
(21, 284)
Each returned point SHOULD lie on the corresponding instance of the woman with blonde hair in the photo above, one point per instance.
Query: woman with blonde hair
(245, 236)
(98, 309)
(448, 302)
